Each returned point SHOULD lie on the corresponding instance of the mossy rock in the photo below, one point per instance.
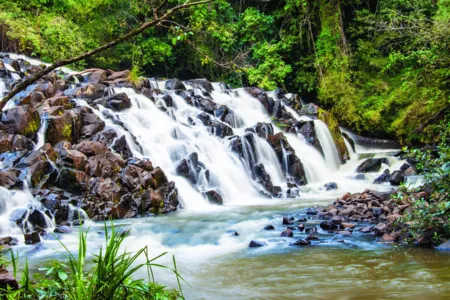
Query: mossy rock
(330, 120)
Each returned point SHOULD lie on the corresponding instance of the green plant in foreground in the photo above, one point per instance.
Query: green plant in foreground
(111, 277)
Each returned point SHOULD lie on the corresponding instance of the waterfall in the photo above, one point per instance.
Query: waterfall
(41, 133)
(329, 147)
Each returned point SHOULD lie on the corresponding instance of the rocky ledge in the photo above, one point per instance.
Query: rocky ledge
(371, 214)
(66, 156)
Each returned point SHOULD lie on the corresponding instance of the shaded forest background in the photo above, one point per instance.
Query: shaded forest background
(382, 66)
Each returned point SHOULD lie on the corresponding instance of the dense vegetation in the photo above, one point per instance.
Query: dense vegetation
(111, 276)
(431, 212)
(382, 66)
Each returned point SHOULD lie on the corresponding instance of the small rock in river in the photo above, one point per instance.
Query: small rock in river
(257, 244)
(269, 227)
(287, 233)
(300, 242)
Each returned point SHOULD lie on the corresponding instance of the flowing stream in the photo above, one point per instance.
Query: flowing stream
(216, 263)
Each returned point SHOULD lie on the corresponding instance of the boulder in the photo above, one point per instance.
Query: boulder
(174, 84)
(287, 233)
(327, 225)
(22, 120)
(105, 165)
(300, 243)
(397, 178)
(369, 165)
(203, 83)
(116, 102)
(89, 148)
(269, 227)
(385, 177)
(257, 244)
(32, 238)
(330, 186)
(308, 130)
(95, 75)
(121, 147)
(309, 109)
(214, 197)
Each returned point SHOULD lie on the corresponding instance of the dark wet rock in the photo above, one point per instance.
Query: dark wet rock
(203, 83)
(190, 168)
(214, 197)
(277, 111)
(301, 227)
(300, 243)
(263, 178)
(308, 130)
(22, 120)
(312, 237)
(327, 225)
(287, 233)
(397, 178)
(385, 177)
(72, 180)
(369, 165)
(14, 142)
(7, 281)
(95, 75)
(106, 137)
(214, 127)
(32, 238)
(10, 178)
(233, 232)
(37, 219)
(174, 84)
(309, 109)
(62, 128)
(118, 75)
(105, 165)
(117, 102)
(311, 211)
(10, 241)
(330, 186)
(269, 227)
(92, 124)
(89, 148)
(121, 147)
(257, 244)
(286, 155)
(89, 91)
(286, 221)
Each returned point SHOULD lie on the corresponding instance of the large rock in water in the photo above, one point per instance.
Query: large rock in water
(174, 84)
(369, 165)
(22, 120)
(117, 102)
(308, 130)
(397, 178)
(330, 120)
(294, 166)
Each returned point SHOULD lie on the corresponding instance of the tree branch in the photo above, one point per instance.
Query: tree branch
(29, 81)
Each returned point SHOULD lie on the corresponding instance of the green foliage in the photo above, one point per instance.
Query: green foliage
(112, 276)
(432, 213)
(382, 67)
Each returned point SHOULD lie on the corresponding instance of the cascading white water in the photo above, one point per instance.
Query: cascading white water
(328, 146)
(41, 133)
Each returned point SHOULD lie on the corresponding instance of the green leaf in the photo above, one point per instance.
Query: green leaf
(62, 275)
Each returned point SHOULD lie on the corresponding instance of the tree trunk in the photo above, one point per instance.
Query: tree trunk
(29, 81)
